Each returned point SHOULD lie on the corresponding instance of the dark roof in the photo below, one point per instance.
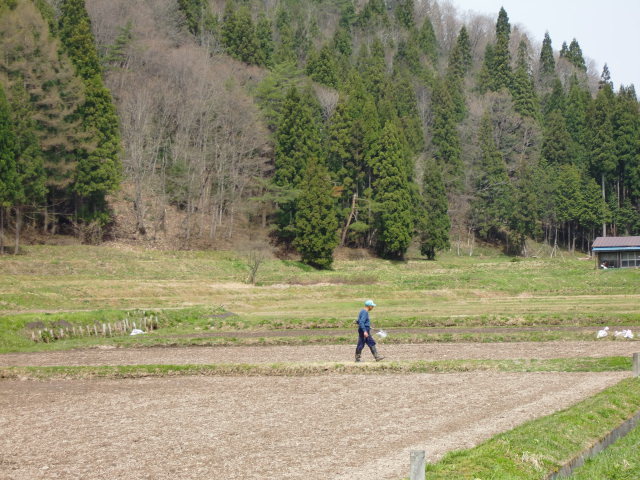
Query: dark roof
(616, 242)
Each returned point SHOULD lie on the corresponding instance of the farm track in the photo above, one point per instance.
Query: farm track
(316, 353)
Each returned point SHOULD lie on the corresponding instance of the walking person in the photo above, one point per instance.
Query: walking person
(364, 332)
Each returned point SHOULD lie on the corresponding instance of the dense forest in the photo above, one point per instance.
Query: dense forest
(313, 124)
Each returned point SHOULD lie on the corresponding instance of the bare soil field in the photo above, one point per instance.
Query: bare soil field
(335, 427)
(318, 353)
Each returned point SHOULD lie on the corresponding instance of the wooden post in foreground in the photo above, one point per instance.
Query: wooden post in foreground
(636, 364)
(418, 464)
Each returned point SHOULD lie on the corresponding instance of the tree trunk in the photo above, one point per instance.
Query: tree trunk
(1, 230)
(351, 214)
(604, 224)
(18, 227)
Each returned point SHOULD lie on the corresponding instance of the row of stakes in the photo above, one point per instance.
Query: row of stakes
(123, 327)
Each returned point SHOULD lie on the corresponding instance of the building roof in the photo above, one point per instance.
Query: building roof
(612, 242)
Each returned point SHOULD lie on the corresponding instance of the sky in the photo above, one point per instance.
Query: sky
(607, 31)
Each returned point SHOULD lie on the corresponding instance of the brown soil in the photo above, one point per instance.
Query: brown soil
(335, 427)
(313, 353)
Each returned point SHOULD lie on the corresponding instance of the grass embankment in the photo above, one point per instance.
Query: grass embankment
(199, 326)
(586, 364)
(82, 277)
(540, 447)
(620, 461)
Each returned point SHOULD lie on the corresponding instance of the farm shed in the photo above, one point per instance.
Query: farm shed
(617, 252)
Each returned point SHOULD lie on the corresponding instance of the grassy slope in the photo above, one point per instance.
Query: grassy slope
(459, 291)
(541, 446)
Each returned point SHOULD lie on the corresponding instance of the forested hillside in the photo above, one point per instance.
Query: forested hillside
(373, 125)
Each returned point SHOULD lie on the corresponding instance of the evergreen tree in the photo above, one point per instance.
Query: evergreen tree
(459, 64)
(427, 41)
(524, 94)
(373, 68)
(492, 202)
(605, 78)
(10, 189)
(433, 221)
(198, 15)
(285, 51)
(117, 56)
(485, 79)
(408, 54)
(401, 95)
(525, 214)
(392, 194)
(29, 160)
(297, 139)
(576, 109)
(547, 61)
(557, 145)
(239, 34)
(321, 67)
(99, 169)
(342, 42)
(564, 51)
(626, 127)
(501, 62)
(264, 37)
(316, 224)
(554, 100)
(602, 147)
(404, 14)
(75, 32)
(574, 55)
(445, 137)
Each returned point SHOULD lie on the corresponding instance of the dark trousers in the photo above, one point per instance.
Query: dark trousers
(362, 341)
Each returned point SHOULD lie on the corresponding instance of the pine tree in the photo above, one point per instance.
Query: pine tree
(433, 221)
(392, 194)
(547, 61)
(316, 224)
(525, 211)
(493, 197)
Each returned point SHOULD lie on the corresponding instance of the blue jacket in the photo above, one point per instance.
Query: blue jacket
(363, 320)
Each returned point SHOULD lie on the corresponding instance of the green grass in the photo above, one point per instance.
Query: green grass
(84, 285)
(620, 461)
(542, 446)
(306, 369)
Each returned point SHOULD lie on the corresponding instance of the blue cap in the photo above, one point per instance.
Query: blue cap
(369, 303)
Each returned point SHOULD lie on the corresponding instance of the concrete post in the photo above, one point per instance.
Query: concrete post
(636, 364)
(418, 464)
